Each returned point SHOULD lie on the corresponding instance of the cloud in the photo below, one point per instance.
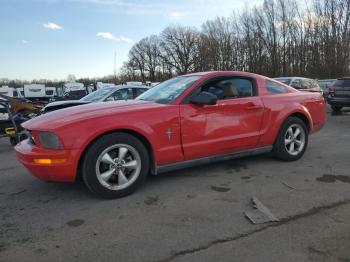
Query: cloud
(52, 26)
(107, 35)
(24, 42)
(176, 15)
(125, 39)
(110, 36)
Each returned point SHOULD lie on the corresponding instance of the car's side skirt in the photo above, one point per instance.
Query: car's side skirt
(212, 159)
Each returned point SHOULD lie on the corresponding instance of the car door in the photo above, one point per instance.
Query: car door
(233, 124)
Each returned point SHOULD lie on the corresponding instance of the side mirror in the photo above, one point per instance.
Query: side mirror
(204, 98)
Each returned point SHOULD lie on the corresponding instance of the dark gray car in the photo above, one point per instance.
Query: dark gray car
(339, 94)
(121, 92)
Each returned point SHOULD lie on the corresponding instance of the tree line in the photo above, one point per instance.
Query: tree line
(278, 38)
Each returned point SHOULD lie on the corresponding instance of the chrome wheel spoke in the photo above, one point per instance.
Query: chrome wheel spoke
(290, 132)
(122, 178)
(298, 142)
(297, 132)
(131, 165)
(107, 159)
(107, 175)
(287, 141)
(122, 153)
(291, 148)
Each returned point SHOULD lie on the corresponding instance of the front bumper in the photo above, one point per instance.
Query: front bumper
(65, 171)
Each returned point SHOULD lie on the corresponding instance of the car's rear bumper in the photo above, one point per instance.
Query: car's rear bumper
(62, 168)
(337, 101)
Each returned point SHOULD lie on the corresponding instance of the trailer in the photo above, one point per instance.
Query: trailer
(7, 91)
(35, 92)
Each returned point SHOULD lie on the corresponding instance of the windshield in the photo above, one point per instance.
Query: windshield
(168, 91)
(284, 80)
(97, 96)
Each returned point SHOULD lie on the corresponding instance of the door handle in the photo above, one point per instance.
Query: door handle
(252, 107)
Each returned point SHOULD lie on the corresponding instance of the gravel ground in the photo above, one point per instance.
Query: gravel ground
(195, 214)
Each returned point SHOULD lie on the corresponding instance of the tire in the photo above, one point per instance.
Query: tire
(107, 176)
(336, 109)
(13, 140)
(289, 147)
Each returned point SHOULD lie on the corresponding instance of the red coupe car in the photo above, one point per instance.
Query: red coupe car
(185, 121)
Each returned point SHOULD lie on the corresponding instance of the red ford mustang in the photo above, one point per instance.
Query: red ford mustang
(185, 121)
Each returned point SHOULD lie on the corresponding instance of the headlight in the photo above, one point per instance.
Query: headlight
(49, 140)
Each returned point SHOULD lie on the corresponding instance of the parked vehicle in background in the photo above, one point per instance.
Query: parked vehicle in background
(35, 92)
(25, 107)
(105, 94)
(339, 94)
(301, 83)
(8, 91)
(100, 85)
(185, 121)
(73, 90)
(326, 83)
(50, 91)
(134, 83)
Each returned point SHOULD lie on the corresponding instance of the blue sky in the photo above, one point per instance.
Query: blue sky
(53, 38)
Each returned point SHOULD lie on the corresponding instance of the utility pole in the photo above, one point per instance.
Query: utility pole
(115, 64)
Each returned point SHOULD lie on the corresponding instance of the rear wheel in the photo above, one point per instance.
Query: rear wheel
(115, 165)
(292, 140)
(336, 109)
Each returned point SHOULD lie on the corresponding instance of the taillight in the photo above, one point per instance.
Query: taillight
(331, 90)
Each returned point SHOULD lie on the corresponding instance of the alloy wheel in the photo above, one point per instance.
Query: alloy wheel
(118, 166)
(294, 139)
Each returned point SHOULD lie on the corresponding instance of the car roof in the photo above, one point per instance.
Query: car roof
(218, 73)
(117, 87)
(292, 77)
(125, 86)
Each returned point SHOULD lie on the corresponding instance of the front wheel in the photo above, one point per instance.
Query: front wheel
(115, 165)
(292, 140)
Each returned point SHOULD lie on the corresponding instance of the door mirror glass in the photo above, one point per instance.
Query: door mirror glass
(204, 98)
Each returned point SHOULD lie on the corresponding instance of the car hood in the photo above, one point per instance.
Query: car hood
(66, 102)
(88, 112)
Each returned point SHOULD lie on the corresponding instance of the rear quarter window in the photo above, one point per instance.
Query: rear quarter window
(275, 88)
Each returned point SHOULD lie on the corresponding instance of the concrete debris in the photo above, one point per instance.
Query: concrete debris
(261, 214)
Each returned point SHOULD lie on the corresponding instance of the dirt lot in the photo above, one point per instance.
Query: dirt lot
(190, 215)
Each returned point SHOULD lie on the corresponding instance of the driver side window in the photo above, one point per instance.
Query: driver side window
(122, 94)
(230, 88)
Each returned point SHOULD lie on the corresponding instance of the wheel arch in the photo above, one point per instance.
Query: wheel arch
(301, 114)
(134, 133)
(302, 117)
